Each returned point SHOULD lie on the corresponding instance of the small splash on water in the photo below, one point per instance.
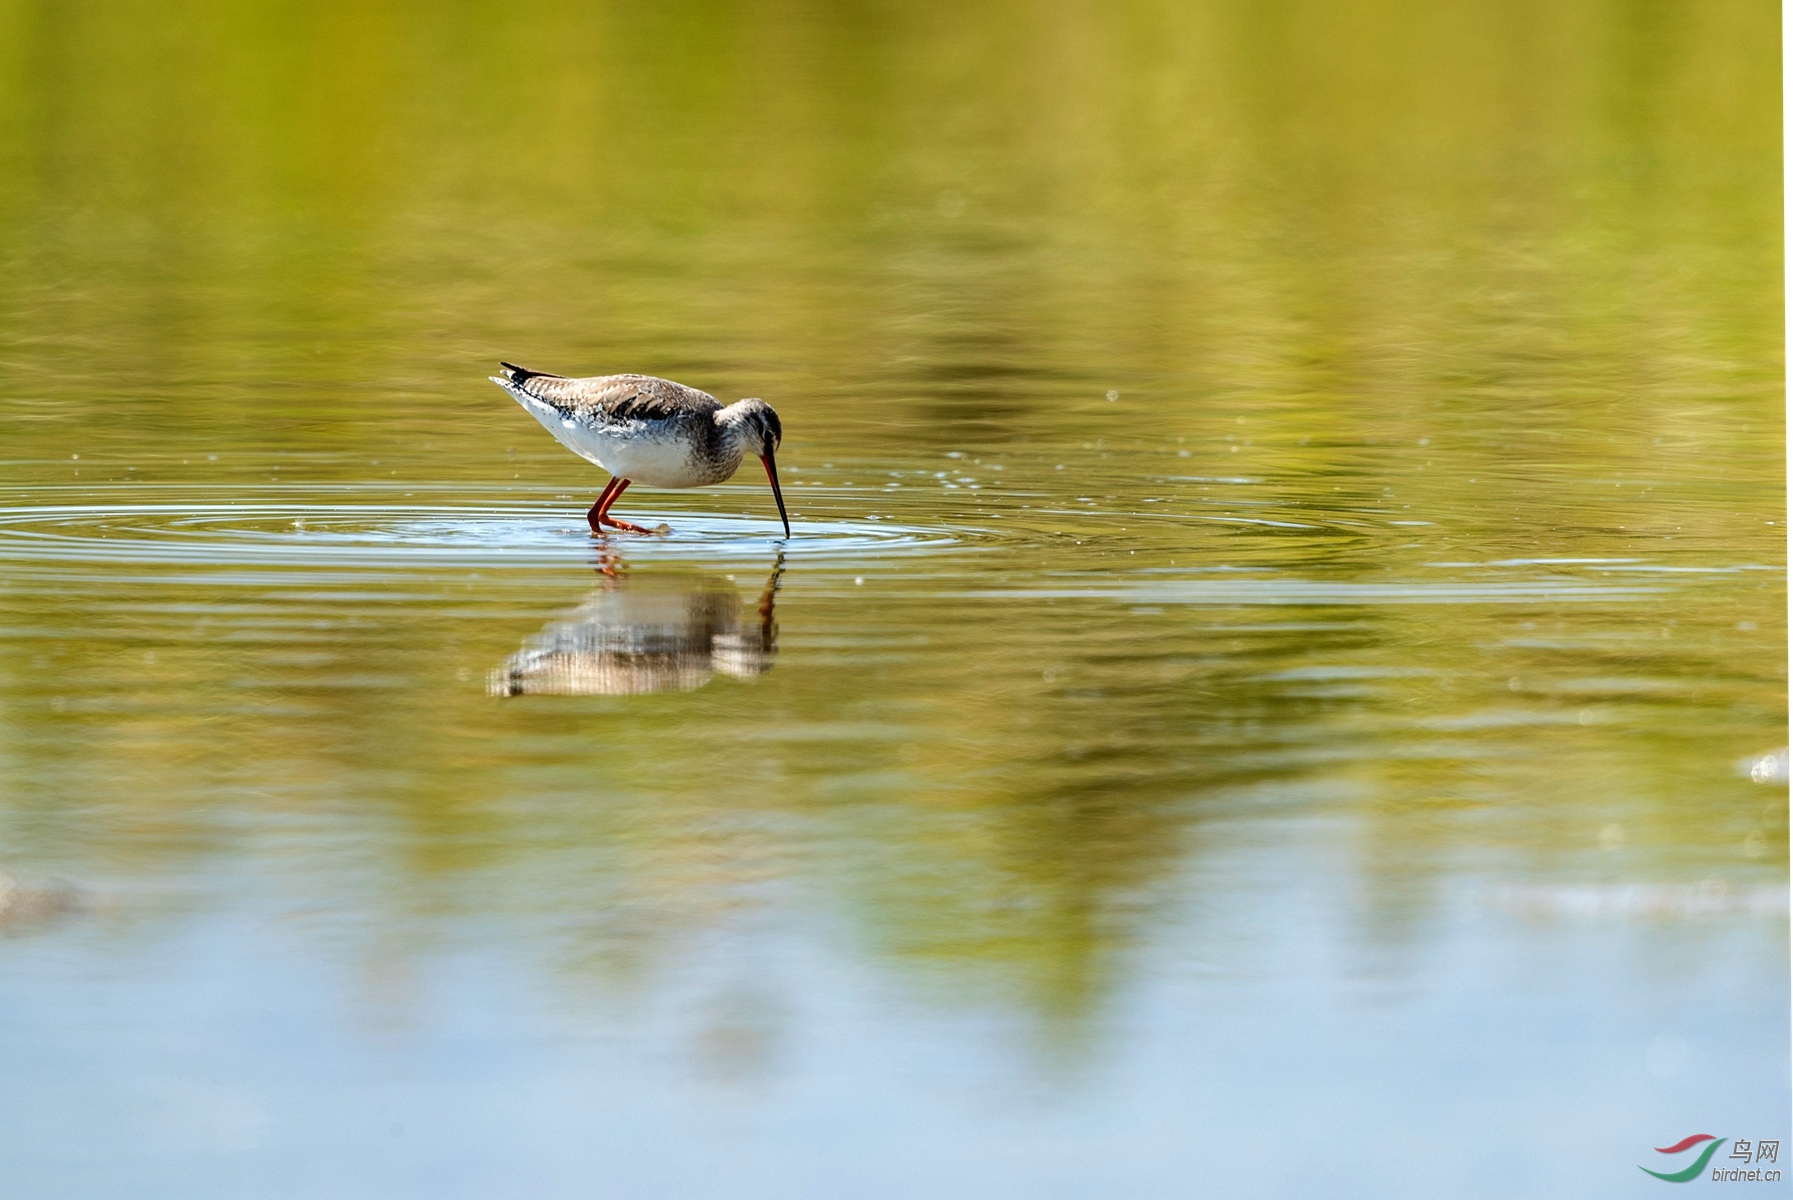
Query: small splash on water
(1767, 768)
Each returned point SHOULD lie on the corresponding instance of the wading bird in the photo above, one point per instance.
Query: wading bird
(647, 430)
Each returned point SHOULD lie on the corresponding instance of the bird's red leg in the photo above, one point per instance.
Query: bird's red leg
(595, 517)
(604, 517)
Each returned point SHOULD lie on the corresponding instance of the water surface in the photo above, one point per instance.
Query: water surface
(1267, 691)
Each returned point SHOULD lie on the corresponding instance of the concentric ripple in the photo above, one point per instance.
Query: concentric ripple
(336, 533)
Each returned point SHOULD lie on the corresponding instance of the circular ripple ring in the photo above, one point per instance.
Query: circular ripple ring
(387, 535)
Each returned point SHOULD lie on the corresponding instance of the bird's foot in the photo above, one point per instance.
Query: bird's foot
(626, 527)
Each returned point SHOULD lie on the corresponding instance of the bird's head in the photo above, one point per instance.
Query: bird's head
(760, 428)
(760, 432)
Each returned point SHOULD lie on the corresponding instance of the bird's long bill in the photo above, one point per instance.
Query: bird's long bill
(772, 474)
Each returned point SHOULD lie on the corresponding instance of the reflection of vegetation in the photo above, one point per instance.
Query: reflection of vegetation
(1506, 269)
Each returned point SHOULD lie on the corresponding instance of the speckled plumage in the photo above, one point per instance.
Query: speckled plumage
(648, 430)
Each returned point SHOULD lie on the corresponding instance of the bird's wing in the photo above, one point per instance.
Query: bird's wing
(610, 397)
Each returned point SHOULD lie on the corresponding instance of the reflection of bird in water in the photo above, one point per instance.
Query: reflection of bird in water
(636, 636)
(638, 427)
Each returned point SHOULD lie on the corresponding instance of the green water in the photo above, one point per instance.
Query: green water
(1288, 588)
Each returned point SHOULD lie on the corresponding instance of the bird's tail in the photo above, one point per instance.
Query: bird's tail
(516, 381)
(516, 374)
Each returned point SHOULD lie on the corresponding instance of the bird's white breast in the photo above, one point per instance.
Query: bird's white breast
(657, 453)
